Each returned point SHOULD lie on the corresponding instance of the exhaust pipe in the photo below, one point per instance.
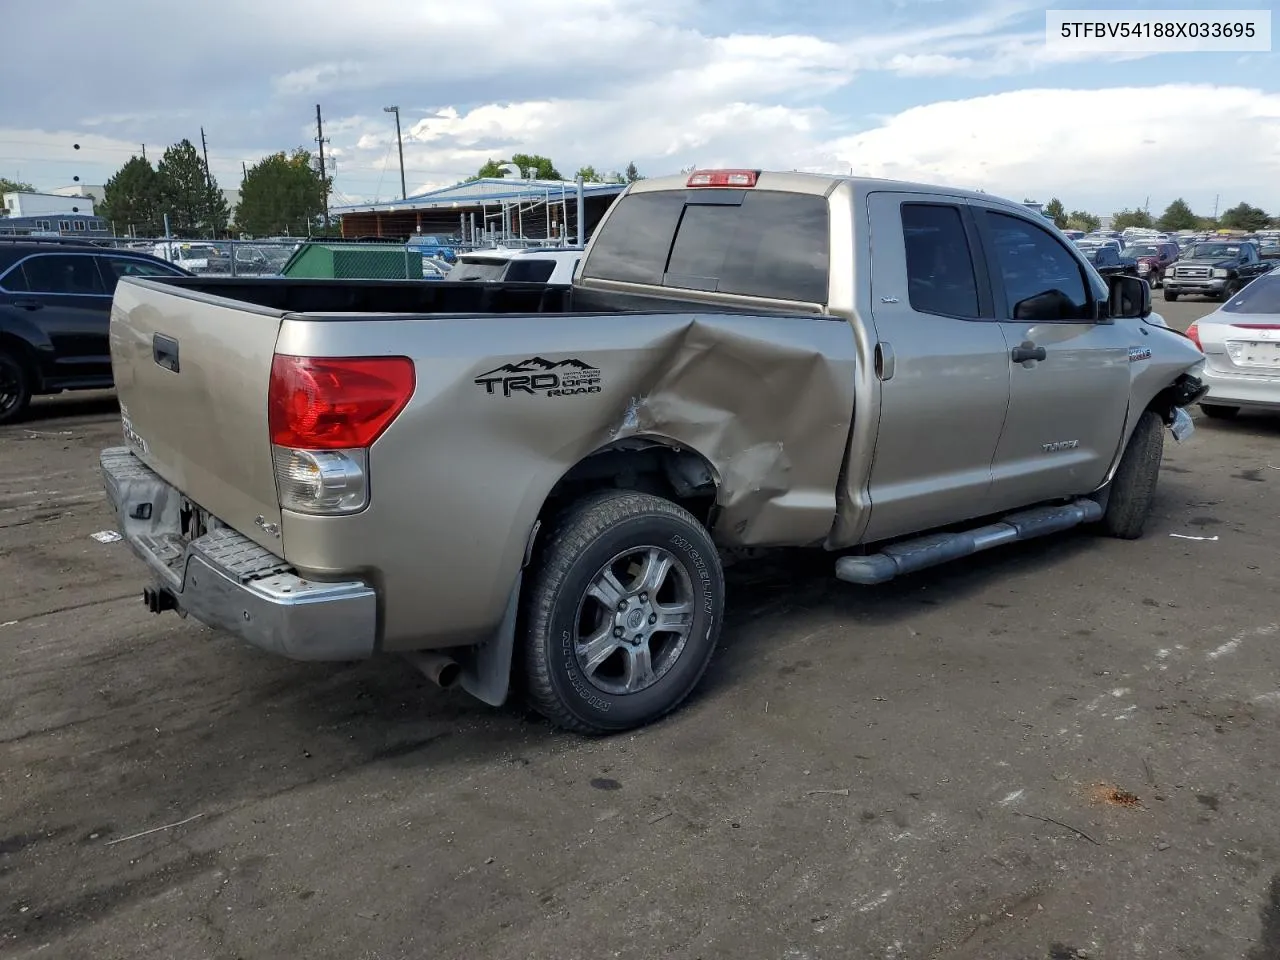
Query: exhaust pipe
(439, 668)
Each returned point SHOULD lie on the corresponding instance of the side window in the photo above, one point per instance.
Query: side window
(117, 267)
(1041, 279)
(15, 281)
(64, 225)
(774, 245)
(62, 273)
(940, 274)
(637, 238)
(530, 270)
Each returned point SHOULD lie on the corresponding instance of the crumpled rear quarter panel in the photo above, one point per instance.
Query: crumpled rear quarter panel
(459, 478)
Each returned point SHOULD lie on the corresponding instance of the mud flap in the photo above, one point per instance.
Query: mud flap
(486, 667)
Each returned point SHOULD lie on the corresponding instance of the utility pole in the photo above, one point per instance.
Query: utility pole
(144, 151)
(324, 181)
(404, 193)
(204, 147)
(1216, 197)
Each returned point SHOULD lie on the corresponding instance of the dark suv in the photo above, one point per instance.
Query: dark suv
(55, 309)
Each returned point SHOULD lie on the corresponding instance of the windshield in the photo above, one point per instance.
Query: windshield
(1261, 296)
(1144, 250)
(1215, 250)
(487, 269)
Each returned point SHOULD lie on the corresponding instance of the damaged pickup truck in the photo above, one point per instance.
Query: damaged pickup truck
(526, 485)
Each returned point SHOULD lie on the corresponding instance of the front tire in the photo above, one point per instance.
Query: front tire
(15, 387)
(1132, 490)
(1170, 296)
(623, 613)
(1230, 290)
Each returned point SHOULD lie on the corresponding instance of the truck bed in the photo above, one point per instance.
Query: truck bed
(396, 298)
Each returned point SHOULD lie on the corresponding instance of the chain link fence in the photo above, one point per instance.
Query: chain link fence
(428, 257)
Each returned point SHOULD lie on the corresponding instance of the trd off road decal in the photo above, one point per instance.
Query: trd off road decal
(550, 378)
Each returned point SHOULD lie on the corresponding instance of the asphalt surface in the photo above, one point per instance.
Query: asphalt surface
(1057, 749)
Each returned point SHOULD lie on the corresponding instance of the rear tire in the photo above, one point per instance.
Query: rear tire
(1216, 412)
(589, 602)
(15, 387)
(1132, 490)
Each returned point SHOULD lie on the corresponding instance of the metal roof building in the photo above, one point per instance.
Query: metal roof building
(488, 208)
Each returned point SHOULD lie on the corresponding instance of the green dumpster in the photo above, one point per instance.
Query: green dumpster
(353, 261)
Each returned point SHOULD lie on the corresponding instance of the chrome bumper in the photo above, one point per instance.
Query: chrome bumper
(1199, 285)
(228, 582)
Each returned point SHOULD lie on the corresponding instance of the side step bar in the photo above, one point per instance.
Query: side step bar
(935, 548)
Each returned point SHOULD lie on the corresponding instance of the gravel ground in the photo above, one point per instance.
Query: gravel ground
(1061, 748)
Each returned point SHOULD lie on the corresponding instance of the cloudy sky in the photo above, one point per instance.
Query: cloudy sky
(961, 92)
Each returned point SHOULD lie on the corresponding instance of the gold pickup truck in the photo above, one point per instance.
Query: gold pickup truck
(519, 478)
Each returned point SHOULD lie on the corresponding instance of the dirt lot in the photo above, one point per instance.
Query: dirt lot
(1060, 749)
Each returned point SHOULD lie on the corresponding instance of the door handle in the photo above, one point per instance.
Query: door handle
(1027, 352)
(26, 304)
(164, 351)
(885, 360)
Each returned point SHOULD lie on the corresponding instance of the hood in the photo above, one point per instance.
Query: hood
(1210, 261)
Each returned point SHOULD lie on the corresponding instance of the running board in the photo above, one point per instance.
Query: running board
(935, 548)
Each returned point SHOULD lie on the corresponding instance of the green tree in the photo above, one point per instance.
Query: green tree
(189, 194)
(131, 199)
(1083, 220)
(1131, 218)
(1177, 216)
(1057, 211)
(632, 174)
(538, 167)
(1244, 216)
(280, 194)
(589, 175)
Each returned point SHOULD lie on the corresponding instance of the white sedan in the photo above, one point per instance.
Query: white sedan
(1241, 344)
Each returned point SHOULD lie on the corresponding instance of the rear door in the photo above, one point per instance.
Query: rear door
(64, 296)
(942, 365)
(192, 373)
(1069, 371)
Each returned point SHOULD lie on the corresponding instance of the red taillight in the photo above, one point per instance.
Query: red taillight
(723, 178)
(335, 403)
(1194, 333)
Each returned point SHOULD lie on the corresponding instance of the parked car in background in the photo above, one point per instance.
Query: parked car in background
(1154, 258)
(192, 257)
(1241, 344)
(434, 269)
(434, 247)
(1106, 259)
(529, 265)
(1215, 268)
(55, 311)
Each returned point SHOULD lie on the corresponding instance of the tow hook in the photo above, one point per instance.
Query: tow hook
(158, 599)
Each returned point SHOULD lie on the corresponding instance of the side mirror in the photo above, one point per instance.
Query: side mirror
(1043, 307)
(1130, 298)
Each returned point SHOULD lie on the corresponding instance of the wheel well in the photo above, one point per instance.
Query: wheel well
(24, 354)
(1183, 392)
(648, 466)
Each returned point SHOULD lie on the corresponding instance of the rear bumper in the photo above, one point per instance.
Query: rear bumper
(228, 582)
(1234, 391)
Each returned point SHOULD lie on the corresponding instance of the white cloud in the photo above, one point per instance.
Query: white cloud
(1098, 149)
(665, 83)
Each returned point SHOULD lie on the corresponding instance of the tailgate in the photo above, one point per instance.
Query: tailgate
(192, 373)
